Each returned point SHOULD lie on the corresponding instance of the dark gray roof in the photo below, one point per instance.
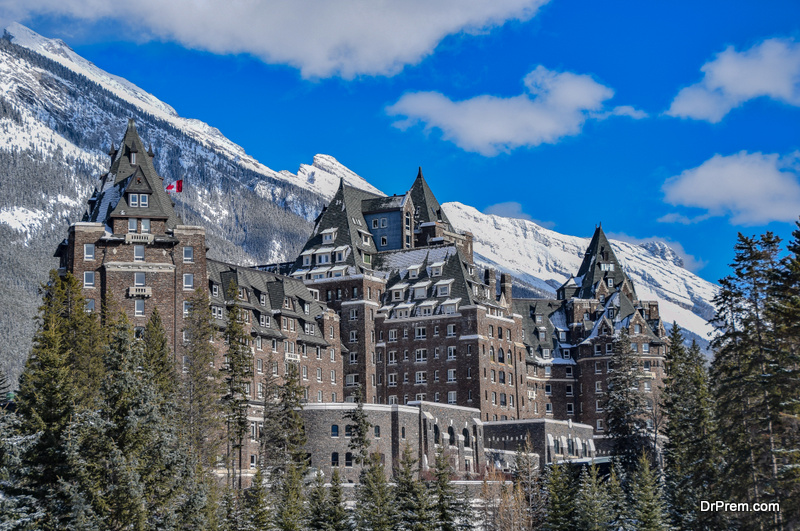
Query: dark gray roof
(428, 208)
(109, 199)
(591, 271)
(552, 311)
(382, 204)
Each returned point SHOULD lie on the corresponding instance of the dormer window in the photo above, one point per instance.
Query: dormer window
(368, 259)
(144, 200)
(323, 258)
(133, 157)
(133, 200)
(328, 235)
(606, 267)
(307, 260)
(419, 293)
(413, 272)
(397, 295)
(365, 239)
(436, 271)
(610, 282)
(444, 291)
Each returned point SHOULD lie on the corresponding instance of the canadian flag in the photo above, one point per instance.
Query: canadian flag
(177, 186)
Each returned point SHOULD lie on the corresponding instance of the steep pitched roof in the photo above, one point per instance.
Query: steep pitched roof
(428, 207)
(109, 200)
(600, 263)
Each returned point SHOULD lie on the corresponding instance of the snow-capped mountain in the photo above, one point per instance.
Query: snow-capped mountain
(545, 259)
(59, 114)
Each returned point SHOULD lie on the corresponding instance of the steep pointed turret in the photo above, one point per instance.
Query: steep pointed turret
(600, 266)
(428, 208)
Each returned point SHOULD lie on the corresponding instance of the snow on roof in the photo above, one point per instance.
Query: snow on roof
(341, 248)
(402, 285)
(307, 252)
(429, 302)
(323, 250)
(317, 270)
(452, 301)
(404, 305)
(422, 284)
(438, 264)
(444, 282)
(329, 231)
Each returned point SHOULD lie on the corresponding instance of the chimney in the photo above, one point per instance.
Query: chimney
(490, 278)
(505, 286)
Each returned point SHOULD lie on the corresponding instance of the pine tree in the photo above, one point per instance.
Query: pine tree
(338, 517)
(258, 502)
(199, 386)
(690, 452)
(646, 500)
(19, 509)
(411, 496)
(624, 404)
(375, 509)
(157, 356)
(748, 379)
(451, 509)
(238, 371)
(5, 387)
(561, 497)
(318, 504)
(619, 511)
(359, 439)
(591, 503)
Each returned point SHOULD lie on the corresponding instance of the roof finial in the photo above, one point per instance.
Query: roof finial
(419, 173)
(131, 124)
(150, 151)
(112, 151)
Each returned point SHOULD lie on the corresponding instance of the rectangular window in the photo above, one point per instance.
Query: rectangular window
(353, 314)
(138, 280)
(421, 355)
(89, 305)
(353, 336)
(333, 354)
(598, 406)
(188, 281)
(392, 357)
(599, 424)
(133, 200)
(451, 353)
(392, 335)
(392, 379)
(598, 387)
(145, 226)
(88, 279)
(645, 347)
(188, 254)
(138, 307)
(610, 282)
(144, 200)
(420, 332)
(598, 368)
(451, 397)
(138, 253)
(319, 374)
(451, 330)
(569, 390)
(88, 251)
(421, 377)
(132, 225)
(567, 354)
(548, 389)
(570, 409)
(451, 375)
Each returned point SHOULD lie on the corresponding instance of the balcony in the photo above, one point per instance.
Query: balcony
(140, 291)
(291, 356)
(133, 237)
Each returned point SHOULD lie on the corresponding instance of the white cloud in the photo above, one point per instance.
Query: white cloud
(656, 245)
(512, 209)
(751, 188)
(345, 38)
(770, 69)
(556, 105)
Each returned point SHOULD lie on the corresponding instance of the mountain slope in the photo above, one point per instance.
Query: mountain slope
(545, 259)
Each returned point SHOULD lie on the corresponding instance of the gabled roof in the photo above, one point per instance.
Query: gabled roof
(429, 209)
(592, 272)
(384, 204)
(344, 214)
(109, 199)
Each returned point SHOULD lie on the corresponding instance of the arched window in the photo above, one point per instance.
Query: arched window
(335, 459)
(466, 437)
(348, 459)
(500, 332)
(491, 331)
(501, 357)
(403, 432)
(334, 430)
(452, 434)
(435, 434)
(377, 431)
(348, 431)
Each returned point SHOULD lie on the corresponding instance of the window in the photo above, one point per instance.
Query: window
(569, 390)
(548, 389)
(548, 408)
(319, 374)
(421, 377)
(334, 430)
(637, 329)
(353, 314)
(333, 354)
(305, 372)
(598, 406)
(451, 397)
(138, 253)
(420, 332)
(188, 281)
(88, 279)
(568, 372)
(451, 353)
(353, 336)
(421, 355)
(145, 226)
(451, 375)
(133, 200)
(451, 330)
(88, 251)
(598, 368)
(353, 358)
(598, 387)
(645, 347)
(566, 354)
(548, 370)
(349, 379)
(335, 459)
(647, 365)
(546, 353)
(138, 307)
(138, 280)
(610, 282)
(89, 305)
(188, 254)
(375, 223)
(599, 424)
(444, 291)
(648, 387)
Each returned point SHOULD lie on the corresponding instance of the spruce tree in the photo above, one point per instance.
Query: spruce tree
(561, 499)
(338, 517)
(451, 508)
(618, 508)
(532, 482)
(258, 501)
(375, 508)
(748, 380)
(318, 504)
(646, 499)
(201, 418)
(624, 404)
(690, 452)
(5, 387)
(360, 426)
(414, 511)
(592, 502)
(238, 371)
(158, 359)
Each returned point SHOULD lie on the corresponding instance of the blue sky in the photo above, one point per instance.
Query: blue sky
(673, 120)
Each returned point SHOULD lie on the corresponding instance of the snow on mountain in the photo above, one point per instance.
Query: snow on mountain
(545, 259)
(321, 177)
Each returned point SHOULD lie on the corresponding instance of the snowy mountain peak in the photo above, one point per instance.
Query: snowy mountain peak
(324, 174)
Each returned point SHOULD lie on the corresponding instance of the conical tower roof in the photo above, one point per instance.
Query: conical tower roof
(428, 208)
(599, 265)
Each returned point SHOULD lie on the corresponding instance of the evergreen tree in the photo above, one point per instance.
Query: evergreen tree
(451, 509)
(258, 501)
(414, 511)
(199, 386)
(157, 356)
(624, 404)
(646, 501)
(19, 509)
(592, 502)
(512, 514)
(318, 504)
(618, 508)
(748, 379)
(375, 509)
(561, 498)
(690, 452)
(290, 512)
(338, 517)
(359, 439)
(238, 371)
(5, 387)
